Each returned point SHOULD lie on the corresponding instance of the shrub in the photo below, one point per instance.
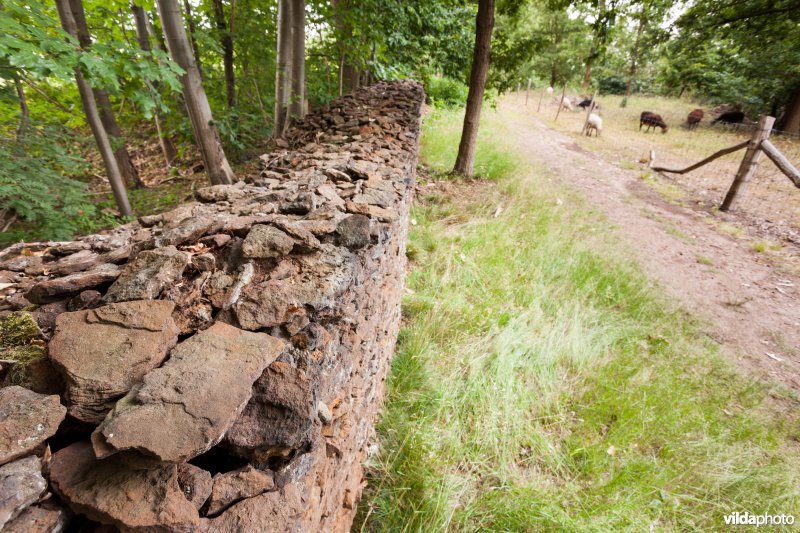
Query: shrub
(35, 186)
(446, 93)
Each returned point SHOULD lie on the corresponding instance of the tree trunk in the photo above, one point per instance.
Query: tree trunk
(143, 36)
(553, 76)
(93, 118)
(24, 112)
(103, 102)
(484, 22)
(587, 75)
(348, 73)
(283, 67)
(297, 106)
(635, 55)
(205, 131)
(790, 121)
(226, 39)
(188, 8)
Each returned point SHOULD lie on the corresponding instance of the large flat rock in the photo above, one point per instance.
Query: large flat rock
(26, 420)
(195, 397)
(122, 491)
(21, 484)
(102, 353)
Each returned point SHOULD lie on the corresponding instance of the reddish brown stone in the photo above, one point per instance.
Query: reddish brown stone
(103, 352)
(197, 394)
(26, 420)
(123, 492)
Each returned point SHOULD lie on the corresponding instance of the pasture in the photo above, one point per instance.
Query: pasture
(769, 210)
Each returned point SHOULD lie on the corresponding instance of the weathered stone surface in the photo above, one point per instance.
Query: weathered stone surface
(232, 487)
(265, 241)
(77, 262)
(196, 395)
(195, 483)
(21, 484)
(120, 491)
(26, 420)
(148, 274)
(279, 415)
(43, 518)
(57, 288)
(276, 512)
(104, 352)
(353, 232)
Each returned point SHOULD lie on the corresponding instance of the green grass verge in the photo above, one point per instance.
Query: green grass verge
(541, 383)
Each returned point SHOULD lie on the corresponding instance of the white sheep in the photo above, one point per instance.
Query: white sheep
(566, 104)
(594, 123)
(549, 91)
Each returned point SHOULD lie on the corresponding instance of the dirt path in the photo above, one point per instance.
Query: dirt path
(750, 307)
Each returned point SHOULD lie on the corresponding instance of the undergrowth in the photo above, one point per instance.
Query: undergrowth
(542, 383)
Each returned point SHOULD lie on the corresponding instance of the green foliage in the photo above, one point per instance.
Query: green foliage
(446, 93)
(36, 186)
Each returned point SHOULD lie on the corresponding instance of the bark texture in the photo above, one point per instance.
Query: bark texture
(297, 105)
(124, 161)
(205, 132)
(484, 23)
(93, 118)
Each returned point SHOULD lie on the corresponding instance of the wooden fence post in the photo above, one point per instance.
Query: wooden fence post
(589, 110)
(527, 91)
(749, 163)
(538, 107)
(518, 84)
(561, 102)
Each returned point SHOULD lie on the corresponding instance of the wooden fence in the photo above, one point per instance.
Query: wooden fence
(758, 144)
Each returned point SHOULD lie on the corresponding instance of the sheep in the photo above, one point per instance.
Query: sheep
(586, 102)
(694, 118)
(566, 104)
(594, 123)
(734, 118)
(652, 120)
(549, 91)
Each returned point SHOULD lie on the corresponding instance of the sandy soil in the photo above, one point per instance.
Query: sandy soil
(748, 305)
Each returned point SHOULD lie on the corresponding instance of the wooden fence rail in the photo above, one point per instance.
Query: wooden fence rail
(759, 143)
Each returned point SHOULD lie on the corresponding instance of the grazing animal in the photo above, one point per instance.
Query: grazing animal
(586, 102)
(731, 117)
(566, 104)
(549, 91)
(694, 118)
(652, 120)
(594, 123)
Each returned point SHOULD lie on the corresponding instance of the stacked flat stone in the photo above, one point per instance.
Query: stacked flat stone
(217, 367)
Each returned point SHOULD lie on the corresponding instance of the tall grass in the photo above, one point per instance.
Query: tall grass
(541, 383)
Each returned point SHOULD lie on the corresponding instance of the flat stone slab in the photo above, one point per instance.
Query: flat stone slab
(185, 407)
(148, 274)
(125, 492)
(47, 518)
(102, 353)
(21, 484)
(26, 420)
(232, 487)
(56, 289)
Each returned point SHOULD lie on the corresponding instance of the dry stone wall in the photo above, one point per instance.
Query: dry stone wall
(218, 367)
